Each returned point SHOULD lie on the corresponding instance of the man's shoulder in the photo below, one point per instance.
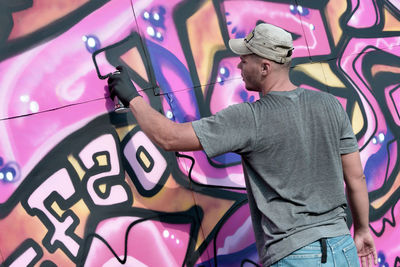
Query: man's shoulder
(319, 94)
(316, 92)
(234, 110)
(244, 106)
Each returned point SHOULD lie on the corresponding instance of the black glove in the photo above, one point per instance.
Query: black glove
(120, 85)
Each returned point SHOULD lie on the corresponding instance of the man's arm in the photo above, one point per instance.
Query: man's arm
(357, 193)
(169, 135)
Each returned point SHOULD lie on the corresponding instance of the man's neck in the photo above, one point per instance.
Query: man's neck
(278, 85)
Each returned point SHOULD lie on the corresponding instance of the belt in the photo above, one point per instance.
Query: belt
(324, 250)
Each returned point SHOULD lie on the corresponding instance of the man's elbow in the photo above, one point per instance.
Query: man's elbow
(179, 144)
(178, 137)
(355, 182)
(167, 144)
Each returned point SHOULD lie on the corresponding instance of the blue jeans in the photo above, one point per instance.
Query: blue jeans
(341, 252)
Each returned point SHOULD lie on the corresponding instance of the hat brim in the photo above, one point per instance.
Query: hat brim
(239, 47)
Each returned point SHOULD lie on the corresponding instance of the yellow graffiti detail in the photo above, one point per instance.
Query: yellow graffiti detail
(207, 42)
(314, 70)
(331, 78)
(82, 211)
(57, 209)
(76, 166)
(333, 11)
(123, 131)
(102, 160)
(103, 188)
(357, 119)
(391, 23)
(145, 159)
(320, 72)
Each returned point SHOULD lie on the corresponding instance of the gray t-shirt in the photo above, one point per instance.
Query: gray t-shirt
(291, 145)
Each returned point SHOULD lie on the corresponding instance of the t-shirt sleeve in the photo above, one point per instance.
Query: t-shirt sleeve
(348, 141)
(230, 130)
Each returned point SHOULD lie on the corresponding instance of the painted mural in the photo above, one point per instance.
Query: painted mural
(82, 185)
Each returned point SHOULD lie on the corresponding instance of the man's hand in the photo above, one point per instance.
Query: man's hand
(365, 248)
(120, 85)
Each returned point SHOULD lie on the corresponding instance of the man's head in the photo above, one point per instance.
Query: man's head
(266, 50)
(267, 41)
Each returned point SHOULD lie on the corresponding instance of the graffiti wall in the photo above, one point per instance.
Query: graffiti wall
(82, 185)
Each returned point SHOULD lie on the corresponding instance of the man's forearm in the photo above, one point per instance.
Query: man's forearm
(357, 195)
(166, 134)
(356, 188)
(154, 125)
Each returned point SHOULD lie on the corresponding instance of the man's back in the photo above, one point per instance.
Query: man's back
(290, 144)
(294, 174)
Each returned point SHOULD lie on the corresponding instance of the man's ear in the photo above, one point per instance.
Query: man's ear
(265, 67)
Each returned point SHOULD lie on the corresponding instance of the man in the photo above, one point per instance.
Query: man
(296, 147)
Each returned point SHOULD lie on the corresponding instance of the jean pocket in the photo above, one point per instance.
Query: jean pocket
(350, 253)
(301, 260)
(307, 256)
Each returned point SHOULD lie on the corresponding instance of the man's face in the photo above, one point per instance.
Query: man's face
(251, 67)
